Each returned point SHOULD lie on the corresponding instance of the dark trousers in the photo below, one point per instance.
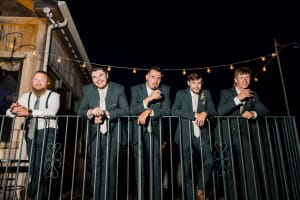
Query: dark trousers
(41, 154)
(148, 167)
(103, 158)
(244, 180)
(197, 164)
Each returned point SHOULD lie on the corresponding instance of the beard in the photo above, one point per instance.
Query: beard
(39, 92)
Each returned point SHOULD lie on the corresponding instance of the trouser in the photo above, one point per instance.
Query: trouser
(197, 164)
(41, 155)
(103, 157)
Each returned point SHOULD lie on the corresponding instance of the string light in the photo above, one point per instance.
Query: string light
(208, 70)
(266, 58)
(184, 70)
(134, 71)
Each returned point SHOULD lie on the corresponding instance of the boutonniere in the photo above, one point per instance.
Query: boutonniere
(202, 98)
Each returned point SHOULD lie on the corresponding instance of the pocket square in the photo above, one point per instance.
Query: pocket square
(112, 105)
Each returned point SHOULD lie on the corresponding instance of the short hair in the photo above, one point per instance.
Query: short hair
(194, 76)
(156, 68)
(99, 67)
(41, 72)
(242, 70)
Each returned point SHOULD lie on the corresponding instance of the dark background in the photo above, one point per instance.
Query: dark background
(201, 34)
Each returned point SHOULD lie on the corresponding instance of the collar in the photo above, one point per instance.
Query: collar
(193, 94)
(103, 90)
(149, 90)
(237, 90)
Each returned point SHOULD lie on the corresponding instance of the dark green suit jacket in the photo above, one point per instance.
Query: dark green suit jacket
(227, 105)
(183, 107)
(236, 124)
(161, 108)
(116, 105)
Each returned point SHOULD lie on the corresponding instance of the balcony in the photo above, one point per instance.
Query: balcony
(273, 167)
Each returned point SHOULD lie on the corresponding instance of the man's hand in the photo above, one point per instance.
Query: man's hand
(200, 118)
(97, 112)
(155, 95)
(248, 114)
(14, 107)
(245, 93)
(19, 110)
(99, 120)
(143, 116)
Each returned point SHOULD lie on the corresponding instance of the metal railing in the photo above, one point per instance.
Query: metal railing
(252, 159)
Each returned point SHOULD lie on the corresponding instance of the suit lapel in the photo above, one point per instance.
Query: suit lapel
(95, 94)
(108, 95)
(233, 92)
(143, 91)
(188, 97)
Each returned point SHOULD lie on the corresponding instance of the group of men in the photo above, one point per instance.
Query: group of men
(104, 102)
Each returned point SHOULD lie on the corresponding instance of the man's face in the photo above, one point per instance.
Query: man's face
(153, 79)
(100, 78)
(195, 85)
(39, 83)
(242, 81)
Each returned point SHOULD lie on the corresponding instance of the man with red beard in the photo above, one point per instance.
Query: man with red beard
(38, 106)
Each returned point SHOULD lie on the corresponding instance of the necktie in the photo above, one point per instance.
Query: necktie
(195, 105)
(103, 126)
(33, 122)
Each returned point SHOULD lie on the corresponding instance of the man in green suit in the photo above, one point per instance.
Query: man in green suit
(194, 106)
(149, 101)
(241, 179)
(102, 103)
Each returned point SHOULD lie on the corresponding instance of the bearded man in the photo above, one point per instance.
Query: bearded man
(39, 106)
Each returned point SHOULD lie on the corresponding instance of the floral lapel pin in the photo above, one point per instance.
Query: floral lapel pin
(202, 98)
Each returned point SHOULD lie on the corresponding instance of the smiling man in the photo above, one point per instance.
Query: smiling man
(103, 100)
(38, 106)
(243, 103)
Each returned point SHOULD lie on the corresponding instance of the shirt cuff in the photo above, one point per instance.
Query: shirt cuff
(237, 101)
(255, 115)
(88, 114)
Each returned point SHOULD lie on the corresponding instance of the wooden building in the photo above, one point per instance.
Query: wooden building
(34, 35)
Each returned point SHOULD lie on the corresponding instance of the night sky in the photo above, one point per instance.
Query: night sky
(196, 35)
